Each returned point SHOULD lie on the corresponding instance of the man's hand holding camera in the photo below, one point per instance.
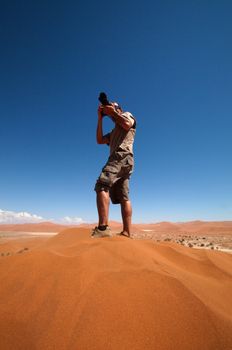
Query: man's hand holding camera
(105, 110)
(109, 110)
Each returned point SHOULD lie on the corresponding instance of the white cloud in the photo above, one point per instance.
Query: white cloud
(72, 220)
(12, 217)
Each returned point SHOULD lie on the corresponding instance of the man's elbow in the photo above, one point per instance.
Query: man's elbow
(127, 126)
(99, 141)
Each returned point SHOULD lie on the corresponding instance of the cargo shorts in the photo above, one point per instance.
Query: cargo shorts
(115, 177)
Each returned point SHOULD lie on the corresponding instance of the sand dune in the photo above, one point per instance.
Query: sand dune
(202, 227)
(74, 292)
(33, 227)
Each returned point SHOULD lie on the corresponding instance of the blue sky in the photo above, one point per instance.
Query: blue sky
(167, 62)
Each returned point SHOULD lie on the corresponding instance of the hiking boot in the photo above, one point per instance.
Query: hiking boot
(97, 233)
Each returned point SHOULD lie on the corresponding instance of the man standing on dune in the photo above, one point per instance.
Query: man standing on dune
(113, 182)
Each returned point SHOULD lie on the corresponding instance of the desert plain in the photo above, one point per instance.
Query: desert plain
(170, 287)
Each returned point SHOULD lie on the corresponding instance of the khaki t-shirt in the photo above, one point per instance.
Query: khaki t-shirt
(121, 140)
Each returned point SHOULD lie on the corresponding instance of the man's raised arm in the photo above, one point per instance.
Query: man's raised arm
(100, 138)
(125, 123)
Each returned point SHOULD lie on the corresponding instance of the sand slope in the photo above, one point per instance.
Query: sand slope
(74, 292)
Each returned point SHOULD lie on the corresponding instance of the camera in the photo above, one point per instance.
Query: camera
(103, 99)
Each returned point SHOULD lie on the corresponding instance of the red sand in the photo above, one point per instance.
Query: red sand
(30, 227)
(202, 227)
(75, 292)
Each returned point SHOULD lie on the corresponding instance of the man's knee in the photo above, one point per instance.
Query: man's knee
(125, 204)
(125, 201)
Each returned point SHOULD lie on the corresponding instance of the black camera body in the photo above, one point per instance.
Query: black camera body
(103, 99)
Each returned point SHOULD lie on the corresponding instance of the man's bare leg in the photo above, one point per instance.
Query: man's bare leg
(126, 210)
(103, 202)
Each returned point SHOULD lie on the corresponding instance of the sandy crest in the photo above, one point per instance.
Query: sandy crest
(75, 292)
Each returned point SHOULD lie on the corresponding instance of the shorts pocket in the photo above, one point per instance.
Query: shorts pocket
(130, 164)
(109, 174)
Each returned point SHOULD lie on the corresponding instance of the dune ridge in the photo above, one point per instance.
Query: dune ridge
(45, 226)
(75, 292)
(188, 226)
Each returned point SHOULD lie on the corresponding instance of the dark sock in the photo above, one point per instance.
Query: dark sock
(102, 227)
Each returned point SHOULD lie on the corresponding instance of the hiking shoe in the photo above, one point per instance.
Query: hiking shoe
(99, 233)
